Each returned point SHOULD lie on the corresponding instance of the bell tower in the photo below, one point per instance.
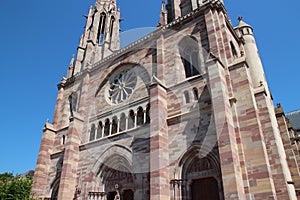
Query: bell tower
(179, 8)
(101, 35)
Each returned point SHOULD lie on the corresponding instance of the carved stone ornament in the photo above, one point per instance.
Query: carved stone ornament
(122, 86)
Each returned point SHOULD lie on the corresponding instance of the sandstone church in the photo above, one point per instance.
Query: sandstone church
(184, 113)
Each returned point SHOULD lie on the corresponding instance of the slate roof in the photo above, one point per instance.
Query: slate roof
(294, 118)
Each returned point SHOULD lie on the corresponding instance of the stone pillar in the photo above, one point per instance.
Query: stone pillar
(110, 128)
(118, 126)
(102, 131)
(40, 179)
(276, 154)
(257, 174)
(145, 117)
(135, 120)
(126, 125)
(159, 154)
(213, 37)
(228, 149)
(68, 179)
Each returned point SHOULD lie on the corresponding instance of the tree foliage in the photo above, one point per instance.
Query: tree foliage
(15, 187)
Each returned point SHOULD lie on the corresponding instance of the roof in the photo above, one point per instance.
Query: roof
(242, 23)
(294, 118)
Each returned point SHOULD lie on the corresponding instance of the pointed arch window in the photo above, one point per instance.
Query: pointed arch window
(189, 52)
(114, 128)
(148, 114)
(92, 133)
(122, 123)
(233, 49)
(185, 7)
(131, 119)
(111, 27)
(55, 189)
(101, 29)
(63, 140)
(140, 116)
(196, 93)
(106, 127)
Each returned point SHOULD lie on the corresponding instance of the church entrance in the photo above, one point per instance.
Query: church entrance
(201, 178)
(125, 195)
(128, 195)
(206, 188)
(119, 185)
(111, 195)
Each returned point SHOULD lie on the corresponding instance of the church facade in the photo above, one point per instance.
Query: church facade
(182, 113)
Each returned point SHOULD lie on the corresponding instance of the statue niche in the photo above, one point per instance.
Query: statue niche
(73, 98)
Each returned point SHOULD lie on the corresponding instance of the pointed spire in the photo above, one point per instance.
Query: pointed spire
(71, 67)
(163, 15)
(242, 23)
(163, 6)
(90, 10)
(72, 61)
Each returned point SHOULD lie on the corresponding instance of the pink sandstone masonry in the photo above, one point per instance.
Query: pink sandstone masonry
(183, 113)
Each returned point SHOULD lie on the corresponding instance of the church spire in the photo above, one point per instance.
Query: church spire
(101, 37)
(179, 8)
(71, 68)
(163, 15)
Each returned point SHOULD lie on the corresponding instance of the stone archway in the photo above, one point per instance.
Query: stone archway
(202, 180)
(117, 177)
(198, 176)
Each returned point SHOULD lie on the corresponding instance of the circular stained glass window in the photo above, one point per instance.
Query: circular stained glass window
(122, 86)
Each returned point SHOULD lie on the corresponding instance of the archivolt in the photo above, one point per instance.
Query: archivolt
(192, 153)
(115, 157)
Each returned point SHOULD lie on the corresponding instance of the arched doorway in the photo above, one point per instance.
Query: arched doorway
(201, 176)
(119, 182)
(117, 178)
(205, 188)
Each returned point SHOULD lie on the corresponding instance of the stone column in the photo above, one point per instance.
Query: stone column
(135, 120)
(102, 131)
(145, 116)
(126, 125)
(118, 126)
(110, 128)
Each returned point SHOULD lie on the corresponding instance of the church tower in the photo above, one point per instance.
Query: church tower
(183, 113)
(101, 36)
(179, 8)
(245, 31)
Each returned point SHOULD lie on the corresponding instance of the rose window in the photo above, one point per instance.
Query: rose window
(122, 86)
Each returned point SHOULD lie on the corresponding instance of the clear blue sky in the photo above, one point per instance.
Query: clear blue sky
(38, 39)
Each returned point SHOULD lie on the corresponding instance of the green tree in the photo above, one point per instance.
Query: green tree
(15, 187)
